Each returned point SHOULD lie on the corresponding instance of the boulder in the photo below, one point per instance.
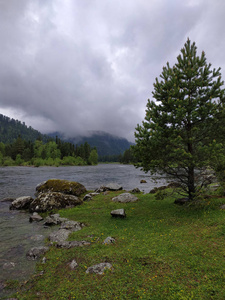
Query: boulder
(125, 198)
(35, 217)
(62, 186)
(21, 203)
(118, 213)
(54, 200)
(99, 269)
(36, 252)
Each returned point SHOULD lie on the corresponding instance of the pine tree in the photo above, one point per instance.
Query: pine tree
(180, 135)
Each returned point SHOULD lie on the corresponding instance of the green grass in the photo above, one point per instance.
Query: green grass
(162, 251)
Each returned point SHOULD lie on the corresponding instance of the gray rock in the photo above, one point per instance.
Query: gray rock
(109, 187)
(21, 203)
(38, 237)
(222, 206)
(109, 240)
(120, 213)
(125, 198)
(93, 194)
(54, 219)
(99, 269)
(59, 236)
(72, 244)
(35, 217)
(49, 201)
(9, 265)
(87, 197)
(72, 225)
(73, 265)
(36, 252)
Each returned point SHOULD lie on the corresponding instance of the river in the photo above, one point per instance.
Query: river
(17, 235)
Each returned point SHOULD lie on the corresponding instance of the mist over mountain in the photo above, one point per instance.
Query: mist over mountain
(106, 144)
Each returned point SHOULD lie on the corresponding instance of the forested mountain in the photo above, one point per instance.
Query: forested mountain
(105, 143)
(10, 129)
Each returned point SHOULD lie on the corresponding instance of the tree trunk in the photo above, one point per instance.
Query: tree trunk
(191, 183)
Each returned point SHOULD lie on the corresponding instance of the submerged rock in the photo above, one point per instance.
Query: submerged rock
(125, 198)
(21, 203)
(99, 268)
(62, 186)
(35, 217)
(55, 200)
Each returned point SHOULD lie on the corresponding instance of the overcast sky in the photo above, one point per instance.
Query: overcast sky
(80, 65)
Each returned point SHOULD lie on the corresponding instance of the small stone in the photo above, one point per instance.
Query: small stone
(109, 240)
(9, 265)
(73, 264)
(118, 213)
(143, 181)
(99, 269)
(87, 197)
(35, 217)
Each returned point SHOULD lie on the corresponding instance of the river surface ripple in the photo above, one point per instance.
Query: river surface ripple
(17, 235)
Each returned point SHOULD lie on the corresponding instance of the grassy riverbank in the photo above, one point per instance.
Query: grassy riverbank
(162, 251)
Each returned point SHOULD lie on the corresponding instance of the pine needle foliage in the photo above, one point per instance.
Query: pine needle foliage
(180, 134)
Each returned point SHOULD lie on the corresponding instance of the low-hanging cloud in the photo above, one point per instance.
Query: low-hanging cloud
(76, 66)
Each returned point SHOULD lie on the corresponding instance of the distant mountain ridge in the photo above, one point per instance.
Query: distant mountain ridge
(106, 144)
(10, 129)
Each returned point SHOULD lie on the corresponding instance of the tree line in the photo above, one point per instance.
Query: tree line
(51, 153)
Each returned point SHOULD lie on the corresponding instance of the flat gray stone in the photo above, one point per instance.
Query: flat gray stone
(118, 213)
(59, 236)
(99, 268)
(73, 265)
(125, 198)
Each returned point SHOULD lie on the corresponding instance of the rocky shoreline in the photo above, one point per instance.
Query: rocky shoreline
(55, 194)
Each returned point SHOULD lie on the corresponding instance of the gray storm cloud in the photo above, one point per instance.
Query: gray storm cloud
(75, 66)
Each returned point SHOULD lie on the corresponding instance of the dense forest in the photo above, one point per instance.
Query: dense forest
(52, 153)
(22, 145)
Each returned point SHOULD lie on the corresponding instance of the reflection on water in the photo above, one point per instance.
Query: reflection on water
(17, 235)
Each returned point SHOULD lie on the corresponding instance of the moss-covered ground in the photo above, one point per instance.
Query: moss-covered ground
(162, 251)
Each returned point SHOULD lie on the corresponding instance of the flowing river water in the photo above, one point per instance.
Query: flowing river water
(18, 235)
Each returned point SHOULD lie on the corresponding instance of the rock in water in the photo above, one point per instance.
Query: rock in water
(36, 252)
(62, 186)
(49, 201)
(21, 203)
(125, 197)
